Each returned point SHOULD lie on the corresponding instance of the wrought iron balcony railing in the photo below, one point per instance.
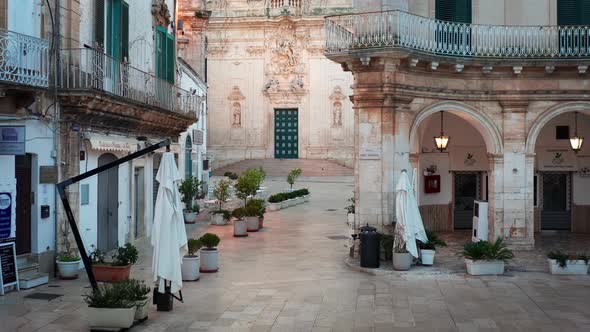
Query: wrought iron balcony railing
(23, 59)
(89, 69)
(399, 29)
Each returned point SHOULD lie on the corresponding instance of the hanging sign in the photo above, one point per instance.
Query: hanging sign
(12, 140)
(557, 159)
(8, 266)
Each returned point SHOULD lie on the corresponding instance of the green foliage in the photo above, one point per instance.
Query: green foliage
(226, 213)
(239, 213)
(231, 175)
(126, 255)
(193, 246)
(277, 198)
(221, 192)
(68, 258)
(109, 296)
(350, 208)
(256, 207)
(134, 290)
(562, 257)
(189, 189)
(248, 183)
(484, 250)
(210, 240)
(433, 241)
(97, 257)
(387, 245)
(293, 175)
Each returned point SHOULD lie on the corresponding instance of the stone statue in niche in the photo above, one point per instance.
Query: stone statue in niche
(337, 115)
(161, 13)
(236, 115)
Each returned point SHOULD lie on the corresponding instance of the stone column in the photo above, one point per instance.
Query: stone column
(495, 196)
(518, 220)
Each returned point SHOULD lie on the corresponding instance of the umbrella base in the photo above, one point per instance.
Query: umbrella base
(163, 301)
(209, 271)
(244, 235)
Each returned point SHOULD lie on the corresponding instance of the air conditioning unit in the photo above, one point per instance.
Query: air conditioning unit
(480, 221)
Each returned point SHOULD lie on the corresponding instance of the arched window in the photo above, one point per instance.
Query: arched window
(188, 159)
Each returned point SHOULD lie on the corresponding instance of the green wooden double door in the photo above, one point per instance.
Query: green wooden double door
(286, 134)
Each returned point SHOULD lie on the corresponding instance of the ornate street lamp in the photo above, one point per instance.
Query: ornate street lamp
(576, 141)
(442, 140)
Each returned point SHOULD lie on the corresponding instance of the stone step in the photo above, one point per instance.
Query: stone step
(32, 279)
(282, 167)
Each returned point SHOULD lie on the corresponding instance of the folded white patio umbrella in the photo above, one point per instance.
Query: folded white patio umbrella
(168, 232)
(409, 226)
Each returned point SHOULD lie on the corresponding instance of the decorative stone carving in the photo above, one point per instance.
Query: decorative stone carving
(297, 84)
(286, 45)
(161, 13)
(255, 50)
(284, 97)
(272, 86)
(236, 98)
(217, 51)
(337, 115)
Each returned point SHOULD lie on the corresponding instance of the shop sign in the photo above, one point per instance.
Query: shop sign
(557, 159)
(12, 140)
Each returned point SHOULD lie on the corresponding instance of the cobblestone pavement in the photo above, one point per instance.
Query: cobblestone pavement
(291, 277)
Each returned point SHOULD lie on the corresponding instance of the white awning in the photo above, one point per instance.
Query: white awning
(111, 142)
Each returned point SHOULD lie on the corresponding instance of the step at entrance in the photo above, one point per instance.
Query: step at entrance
(28, 272)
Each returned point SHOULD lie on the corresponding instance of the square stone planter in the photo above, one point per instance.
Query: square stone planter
(142, 309)
(306, 197)
(274, 206)
(111, 318)
(572, 267)
(482, 268)
(217, 219)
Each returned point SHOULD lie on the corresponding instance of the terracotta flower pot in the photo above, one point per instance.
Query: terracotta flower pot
(110, 273)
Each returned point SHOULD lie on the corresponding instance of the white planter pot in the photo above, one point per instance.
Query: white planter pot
(252, 224)
(240, 228)
(482, 268)
(350, 218)
(142, 309)
(190, 217)
(217, 219)
(402, 261)
(292, 202)
(209, 260)
(427, 256)
(284, 204)
(306, 197)
(274, 206)
(300, 200)
(577, 267)
(121, 318)
(68, 270)
(190, 268)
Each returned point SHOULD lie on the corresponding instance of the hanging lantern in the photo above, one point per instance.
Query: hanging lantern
(576, 141)
(442, 140)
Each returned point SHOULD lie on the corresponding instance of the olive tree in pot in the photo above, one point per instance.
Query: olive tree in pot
(191, 263)
(246, 188)
(257, 206)
(119, 268)
(563, 263)
(189, 189)
(428, 249)
(485, 258)
(221, 193)
(110, 307)
(240, 227)
(292, 177)
(209, 254)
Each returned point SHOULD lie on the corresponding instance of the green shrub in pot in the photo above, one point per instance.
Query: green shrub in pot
(209, 254)
(485, 258)
(110, 306)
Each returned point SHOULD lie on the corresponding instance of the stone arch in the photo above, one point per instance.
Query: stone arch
(478, 119)
(544, 118)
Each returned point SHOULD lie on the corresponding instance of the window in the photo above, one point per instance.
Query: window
(454, 10)
(164, 54)
(188, 157)
(111, 27)
(573, 12)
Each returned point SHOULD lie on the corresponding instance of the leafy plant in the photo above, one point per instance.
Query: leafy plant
(239, 213)
(433, 241)
(189, 189)
(210, 240)
(484, 250)
(194, 245)
(256, 207)
(109, 296)
(584, 258)
(226, 213)
(135, 290)
(97, 256)
(387, 245)
(68, 258)
(221, 192)
(248, 183)
(351, 208)
(559, 256)
(293, 175)
(231, 175)
(126, 255)
(277, 198)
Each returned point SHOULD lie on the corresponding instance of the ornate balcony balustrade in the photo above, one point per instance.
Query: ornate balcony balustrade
(91, 70)
(285, 3)
(23, 59)
(398, 29)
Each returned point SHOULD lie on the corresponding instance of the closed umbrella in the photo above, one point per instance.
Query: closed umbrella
(168, 232)
(409, 226)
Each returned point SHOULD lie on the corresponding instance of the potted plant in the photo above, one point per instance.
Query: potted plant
(485, 258)
(231, 175)
(252, 217)
(189, 189)
(240, 226)
(248, 183)
(257, 205)
(402, 259)
(191, 263)
(68, 266)
(138, 293)
(209, 254)
(221, 193)
(350, 210)
(274, 202)
(110, 307)
(428, 249)
(119, 268)
(306, 194)
(292, 177)
(562, 263)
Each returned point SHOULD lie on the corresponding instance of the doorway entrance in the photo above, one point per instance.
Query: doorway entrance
(555, 211)
(24, 196)
(286, 134)
(467, 189)
(108, 205)
(139, 203)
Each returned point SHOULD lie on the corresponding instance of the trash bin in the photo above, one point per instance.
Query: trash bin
(369, 247)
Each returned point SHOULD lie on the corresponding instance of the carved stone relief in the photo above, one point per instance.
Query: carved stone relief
(255, 50)
(161, 13)
(285, 46)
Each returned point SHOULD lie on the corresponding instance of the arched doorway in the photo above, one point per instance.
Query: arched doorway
(108, 205)
(561, 176)
(462, 173)
(188, 157)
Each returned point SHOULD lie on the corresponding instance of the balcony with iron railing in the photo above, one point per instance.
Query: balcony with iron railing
(24, 60)
(398, 30)
(90, 70)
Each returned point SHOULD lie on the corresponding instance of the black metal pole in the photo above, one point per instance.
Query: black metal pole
(61, 189)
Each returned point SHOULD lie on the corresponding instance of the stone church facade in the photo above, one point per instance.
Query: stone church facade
(272, 92)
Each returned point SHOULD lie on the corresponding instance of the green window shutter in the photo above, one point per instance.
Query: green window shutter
(445, 10)
(99, 22)
(573, 12)
(463, 11)
(170, 63)
(453, 10)
(160, 52)
(124, 31)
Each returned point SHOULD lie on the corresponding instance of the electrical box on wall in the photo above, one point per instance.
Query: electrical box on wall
(45, 211)
(431, 184)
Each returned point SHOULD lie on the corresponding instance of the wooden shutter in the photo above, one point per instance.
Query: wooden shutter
(124, 27)
(454, 10)
(160, 52)
(170, 58)
(445, 10)
(462, 11)
(99, 22)
(573, 12)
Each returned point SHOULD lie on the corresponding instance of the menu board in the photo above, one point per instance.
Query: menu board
(9, 275)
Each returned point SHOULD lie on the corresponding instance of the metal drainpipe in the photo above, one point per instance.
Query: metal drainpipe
(56, 120)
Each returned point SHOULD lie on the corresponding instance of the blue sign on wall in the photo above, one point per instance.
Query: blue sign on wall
(5, 215)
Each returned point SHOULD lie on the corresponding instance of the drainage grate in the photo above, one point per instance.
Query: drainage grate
(331, 210)
(337, 237)
(43, 296)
